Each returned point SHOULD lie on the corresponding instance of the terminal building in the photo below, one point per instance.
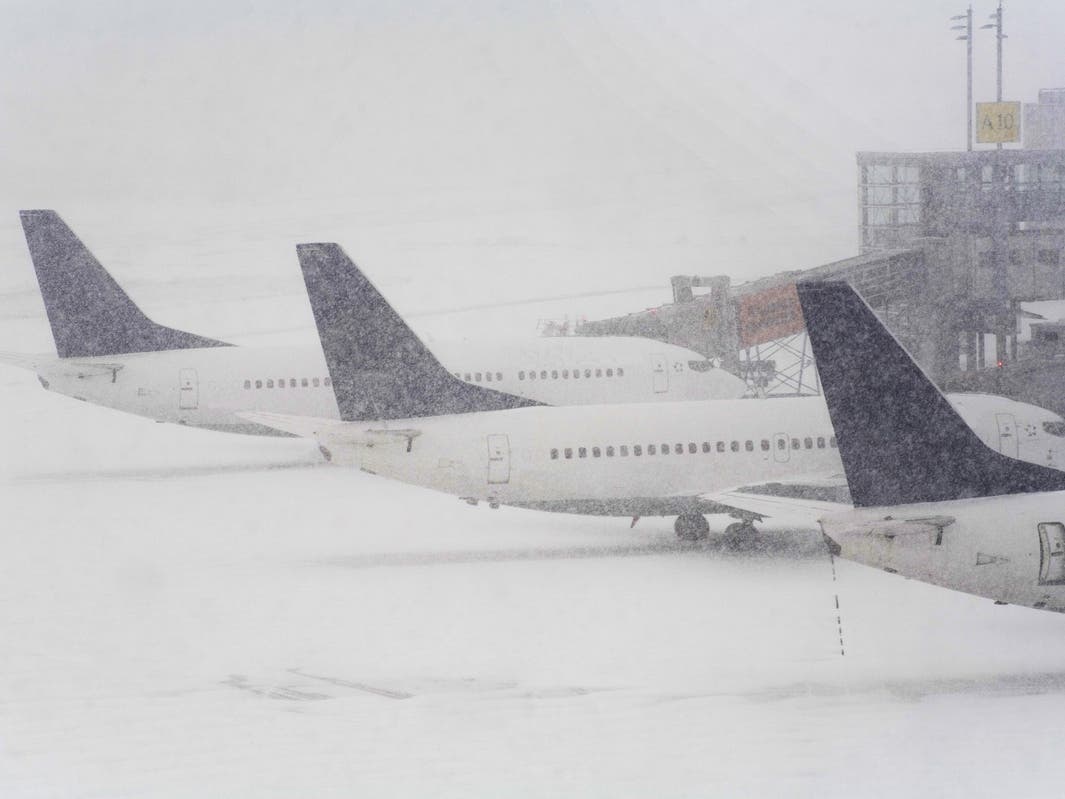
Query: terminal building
(953, 249)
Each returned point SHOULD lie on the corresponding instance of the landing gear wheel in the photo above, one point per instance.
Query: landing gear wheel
(740, 534)
(691, 527)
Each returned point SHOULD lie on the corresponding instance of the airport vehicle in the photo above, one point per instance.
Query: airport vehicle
(110, 353)
(684, 459)
(932, 501)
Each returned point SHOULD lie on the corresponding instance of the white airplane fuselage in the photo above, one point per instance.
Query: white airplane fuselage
(637, 459)
(208, 387)
(1009, 548)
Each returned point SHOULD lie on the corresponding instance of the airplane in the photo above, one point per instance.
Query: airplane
(686, 459)
(931, 501)
(110, 353)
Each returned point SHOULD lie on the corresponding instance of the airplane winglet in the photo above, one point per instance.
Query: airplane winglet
(900, 440)
(379, 367)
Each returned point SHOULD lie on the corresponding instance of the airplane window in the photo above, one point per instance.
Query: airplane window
(782, 443)
(596, 452)
(477, 376)
(749, 446)
(808, 443)
(521, 375)
(665, 449)
(247, 384)
(609, 372)
(820, 442)
(269, 383)
(832, 442)
(598, 372)
(765, 445)
(650, 449)
(314, 382)
(706, 446)
(565, 374)
(624, 451)
(587, 372)
(468, 377)
(569, 453)
(735, 446)
(543, 375)
(795, 443)
(678, 448)
(1055, 428)
(720, 446)
(281, 383)
(700, 366)
(303, 382)
(292, 383)
(554, 374)
(582, 452)
(554, 454)
(258, 383)
(610, 452)
(499, 376)
(488, 376)
(576, 373)
(327, 382)
(621, 372)
(636, 450)
(692, 448)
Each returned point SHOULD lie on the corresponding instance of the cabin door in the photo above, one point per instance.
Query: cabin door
(660, 373)
(1007, 434)
(781, 453)
(498, 459)
(1051, 553)
(188, 390)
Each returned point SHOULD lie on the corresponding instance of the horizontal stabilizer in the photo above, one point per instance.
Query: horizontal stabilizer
(380, 369)
(24, 360)
(332, 430)
(303, 426)
(89, 312)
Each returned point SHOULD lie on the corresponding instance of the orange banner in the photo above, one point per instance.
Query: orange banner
(769, 315)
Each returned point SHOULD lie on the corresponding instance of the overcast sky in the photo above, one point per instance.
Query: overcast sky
(644, 138)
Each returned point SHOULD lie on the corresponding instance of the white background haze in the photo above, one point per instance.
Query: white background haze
(185, 613)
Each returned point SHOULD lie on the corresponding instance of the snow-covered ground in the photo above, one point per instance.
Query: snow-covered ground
(186, 613)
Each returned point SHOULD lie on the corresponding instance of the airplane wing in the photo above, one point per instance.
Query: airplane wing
(804, 501)
(333, 430)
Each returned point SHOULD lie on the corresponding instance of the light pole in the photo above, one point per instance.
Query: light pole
(1000, 224)
(968, 39)
(999, 36)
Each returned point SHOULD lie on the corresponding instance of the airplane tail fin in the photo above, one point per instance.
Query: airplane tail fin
(900, 440)
(89, 312)
(380, 369)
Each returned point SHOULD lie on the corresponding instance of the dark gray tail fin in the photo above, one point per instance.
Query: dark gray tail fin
(89, 312)
(900, 440)
(379, 367)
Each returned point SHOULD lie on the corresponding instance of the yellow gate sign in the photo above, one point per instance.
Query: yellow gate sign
(997, 123)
